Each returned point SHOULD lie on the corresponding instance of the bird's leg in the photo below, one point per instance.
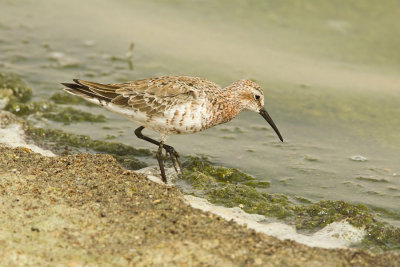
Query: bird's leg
(172, 159)
(169, 149)
(161, 162)
(138, 133)
(174, 156)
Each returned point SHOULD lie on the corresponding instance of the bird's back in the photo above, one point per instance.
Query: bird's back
(169, 104)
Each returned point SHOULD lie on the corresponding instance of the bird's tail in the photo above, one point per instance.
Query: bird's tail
(93, 92)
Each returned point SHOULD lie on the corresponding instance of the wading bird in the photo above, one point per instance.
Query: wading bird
(174, 105)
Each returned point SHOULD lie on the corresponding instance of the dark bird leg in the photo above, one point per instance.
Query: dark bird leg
(174, 157)
(161, 162)
(170, 150)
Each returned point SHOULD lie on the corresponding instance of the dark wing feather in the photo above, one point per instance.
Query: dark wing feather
(99, 89)
(82, 91)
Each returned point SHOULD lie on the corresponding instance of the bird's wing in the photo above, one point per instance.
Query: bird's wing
(157, 95)
(153, 96)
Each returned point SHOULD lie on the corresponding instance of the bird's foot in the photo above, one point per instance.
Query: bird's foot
(174, 158)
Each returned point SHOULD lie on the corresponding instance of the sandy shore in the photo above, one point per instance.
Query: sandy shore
(86, 210)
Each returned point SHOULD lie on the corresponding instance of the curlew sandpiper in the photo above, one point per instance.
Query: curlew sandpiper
(174, 105)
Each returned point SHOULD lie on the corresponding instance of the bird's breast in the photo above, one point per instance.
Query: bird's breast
(181, 119)
(199, 115)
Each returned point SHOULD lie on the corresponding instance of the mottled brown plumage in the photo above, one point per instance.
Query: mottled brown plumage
(174, 104)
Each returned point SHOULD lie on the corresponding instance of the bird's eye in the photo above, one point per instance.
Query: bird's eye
(257, 97)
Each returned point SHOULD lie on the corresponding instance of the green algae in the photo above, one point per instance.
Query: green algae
(109, 137)
(68, 115)
(10, 81)
(380, 236)
(53, 112)
(325, 212)
(18, 94)
(302, 200)
(219, 174)
(251, 200)
(213, 183)
(231, 187)
(256, 183)
(126, 155)
(65, 98)
(24, 109)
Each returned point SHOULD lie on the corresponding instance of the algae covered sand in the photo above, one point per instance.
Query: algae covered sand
(231, 188)
(88, 210)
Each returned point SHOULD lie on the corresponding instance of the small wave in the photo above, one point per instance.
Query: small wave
(13, 135)
(334, 235)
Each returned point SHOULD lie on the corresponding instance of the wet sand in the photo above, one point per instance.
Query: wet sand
(86, 210)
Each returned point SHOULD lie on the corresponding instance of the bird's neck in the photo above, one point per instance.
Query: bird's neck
(227, 106)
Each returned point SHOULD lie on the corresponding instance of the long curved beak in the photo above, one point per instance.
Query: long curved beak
(266, 116)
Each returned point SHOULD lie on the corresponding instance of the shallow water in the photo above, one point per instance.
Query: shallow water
(329, 71)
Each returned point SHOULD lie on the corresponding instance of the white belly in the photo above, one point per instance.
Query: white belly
(182, 119)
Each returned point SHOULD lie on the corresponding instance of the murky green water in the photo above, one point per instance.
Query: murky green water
(329, 70)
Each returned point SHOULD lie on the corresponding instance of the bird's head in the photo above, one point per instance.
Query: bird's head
(251, 97)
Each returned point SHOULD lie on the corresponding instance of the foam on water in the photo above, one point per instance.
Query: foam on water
(13, 135)
(334, 235)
